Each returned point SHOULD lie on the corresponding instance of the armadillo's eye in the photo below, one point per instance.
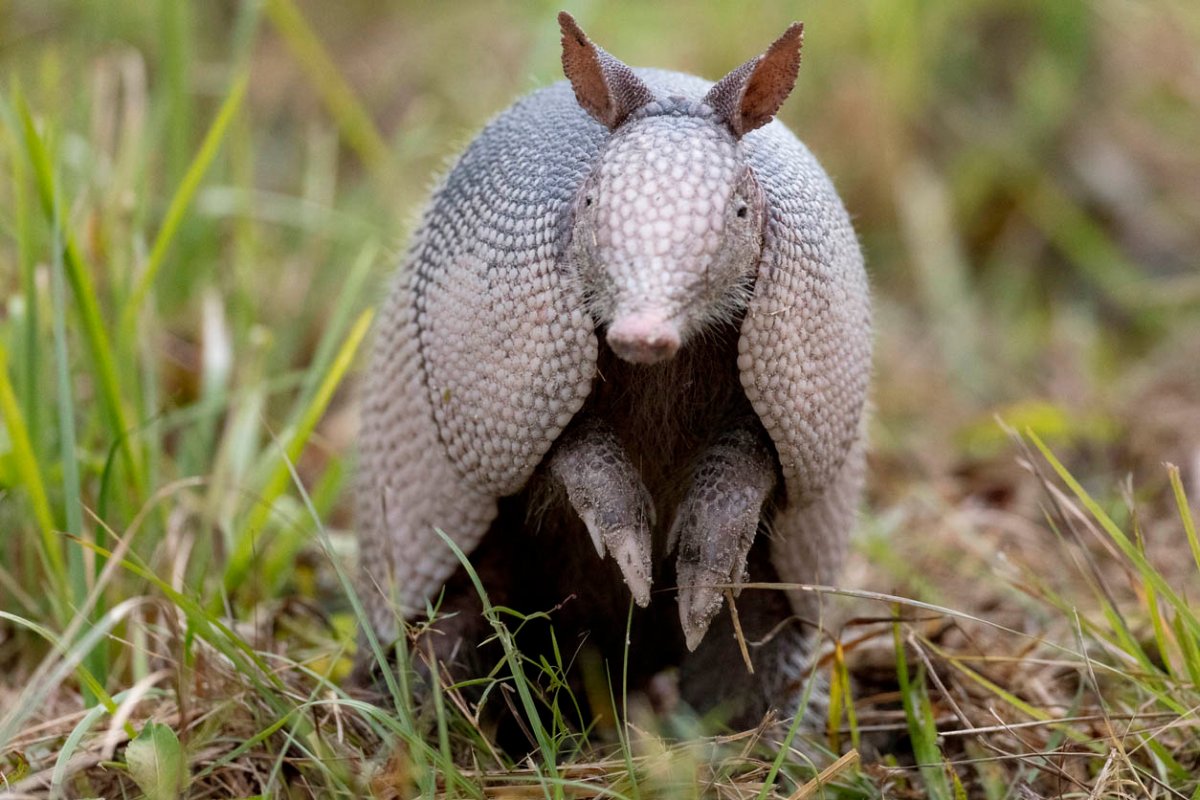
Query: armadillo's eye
(742, 209)
(587, 201)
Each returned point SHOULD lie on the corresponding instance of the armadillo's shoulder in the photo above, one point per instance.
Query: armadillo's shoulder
(482, 350)
(805, 348)
(542, 144)
(507, 349)
(805, 211)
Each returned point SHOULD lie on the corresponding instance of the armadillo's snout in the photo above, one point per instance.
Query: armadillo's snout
(644, 338)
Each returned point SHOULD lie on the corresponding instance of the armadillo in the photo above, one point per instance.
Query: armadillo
(625, 360)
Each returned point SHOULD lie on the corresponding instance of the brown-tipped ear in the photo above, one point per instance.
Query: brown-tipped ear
(749, 96)
(606, 88)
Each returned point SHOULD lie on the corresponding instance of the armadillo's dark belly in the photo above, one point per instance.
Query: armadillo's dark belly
(539, 555)
(668, 414)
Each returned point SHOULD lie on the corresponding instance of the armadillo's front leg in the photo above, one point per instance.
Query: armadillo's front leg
(716, 522)
(608, 494)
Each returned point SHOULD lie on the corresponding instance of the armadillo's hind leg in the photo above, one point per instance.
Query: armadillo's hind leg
(716, 523)
(607, 492)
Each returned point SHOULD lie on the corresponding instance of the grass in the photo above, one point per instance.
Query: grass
(200, 204)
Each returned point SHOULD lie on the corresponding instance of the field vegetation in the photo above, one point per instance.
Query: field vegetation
(202, 202)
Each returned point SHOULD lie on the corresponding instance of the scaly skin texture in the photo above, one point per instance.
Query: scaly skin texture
(623, 321)
(717, 521)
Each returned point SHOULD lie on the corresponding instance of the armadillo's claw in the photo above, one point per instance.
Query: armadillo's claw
(607, 492)
(630, 547)
(701, 596)
(715, 526)
(597, 539)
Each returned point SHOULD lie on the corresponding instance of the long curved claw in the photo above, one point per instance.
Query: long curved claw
(715, 526)
(714, 542)
(713, 546)
(608, 495)
(631, 549)
(701, 597)
(629, 546)
(594, 530)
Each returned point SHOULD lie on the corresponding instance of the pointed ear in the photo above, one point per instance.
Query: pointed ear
(606, 88)
(749, 96)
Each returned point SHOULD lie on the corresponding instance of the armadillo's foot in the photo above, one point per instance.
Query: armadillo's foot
(606, 491)
(715, 525)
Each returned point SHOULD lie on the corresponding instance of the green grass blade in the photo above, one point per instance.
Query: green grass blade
(73, 740)
(1162, 641)
(922, 729)
(1185, 513)
(1119, 538)
(30, 474)
(837, 696)
(95, 660)
(245, 658)
(1011, 699)
(1190, 649)
(34, 694)
(94, 330)
(23, 230)
(439, 715)
(635, 792)
(785, 747)
(354, 123)
(348, 298)
(960, 791)
(401, 721)
(245, 547)
(842, 674)
(514, 661)
(180, 202)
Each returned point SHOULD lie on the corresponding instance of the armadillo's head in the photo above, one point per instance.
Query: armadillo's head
(667, 229)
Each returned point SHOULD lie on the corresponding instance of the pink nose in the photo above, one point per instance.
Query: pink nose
(643, 338)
